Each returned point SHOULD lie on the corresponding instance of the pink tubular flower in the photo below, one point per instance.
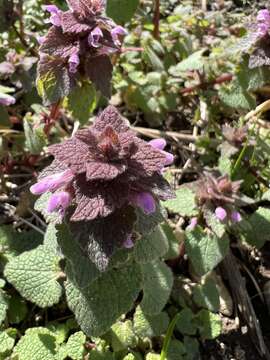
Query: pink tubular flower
(116, 32)
(41, 39)
(52, 182)
(263, 16)
(128, 243)
(236, 217)
(193, 223)
(94, 37)
(221, 213)
(145, 201)
(160, 145)
(74, 62)
(59, 201)
(55, 17)
(7, 100)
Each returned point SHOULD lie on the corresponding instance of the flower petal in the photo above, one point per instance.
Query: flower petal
(158, 143)
(221, 213)
(59, 201)
(52, 182)
(145, 201)
(236, 216)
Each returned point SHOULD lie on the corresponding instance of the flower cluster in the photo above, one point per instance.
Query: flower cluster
(80, 41)
(256, 42)
(103, 172)
(263, 22)
(221, 193)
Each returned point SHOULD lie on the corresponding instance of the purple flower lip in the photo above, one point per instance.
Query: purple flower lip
(59, 202)
(128, 243)
(41, 39)
(94, 37)
(263, 25)
(236, 217)
(7, 100)
(145, 201)
(193, 223)
(160, 145)
(221, 213)
(74, 62)
(116, 32)
(55, 17)
(263, 15)
(52, 182)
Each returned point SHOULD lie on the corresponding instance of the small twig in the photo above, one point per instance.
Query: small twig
(156, 19)
(30, 224)
(265, 106)
(153, 133)
(37, 218)
(253, 281)
(204, 5)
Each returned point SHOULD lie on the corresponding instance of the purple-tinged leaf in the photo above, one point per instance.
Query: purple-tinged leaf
(59, 44)
(99, 70)
(100, 238)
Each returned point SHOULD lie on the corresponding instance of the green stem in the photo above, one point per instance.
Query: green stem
(239, 159)
(168, 337)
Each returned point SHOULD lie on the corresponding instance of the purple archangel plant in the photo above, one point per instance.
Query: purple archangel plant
(257, 41)
(220, 194)
(99, 181)
(78, 46)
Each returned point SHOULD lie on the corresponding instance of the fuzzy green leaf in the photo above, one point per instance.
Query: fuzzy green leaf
(210, 325)
(258, 229)
(35, 138)
(122, 336)
(205, 250)
(207, 296)
(149, 326)
(151, 247)
(98, 306)
(121, 11)
(195, 61)
(7, 341)
(184, 204)
(185, 323)
(157, 286)
(3, 305)
(82, 101)
(37, 343)
(74, 348)
(34, 274)
(79, 268)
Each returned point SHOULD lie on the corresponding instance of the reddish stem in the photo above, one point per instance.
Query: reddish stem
(156, 19)
(204, 85)
(54, 115)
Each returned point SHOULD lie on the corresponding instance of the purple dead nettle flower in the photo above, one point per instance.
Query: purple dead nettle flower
(7, 100)
(80, 41)
(55, 18)
(263, 22)
(221, 194)
(104, 170)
